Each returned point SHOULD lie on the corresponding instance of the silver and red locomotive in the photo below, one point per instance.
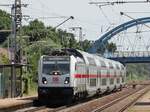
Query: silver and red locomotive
(74, 74)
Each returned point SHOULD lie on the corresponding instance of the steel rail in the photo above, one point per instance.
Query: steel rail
(102, 108)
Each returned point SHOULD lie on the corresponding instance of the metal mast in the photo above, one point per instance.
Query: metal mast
(16, 27)
(16, 15)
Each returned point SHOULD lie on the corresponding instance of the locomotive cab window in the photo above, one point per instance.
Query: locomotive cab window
(56, 67)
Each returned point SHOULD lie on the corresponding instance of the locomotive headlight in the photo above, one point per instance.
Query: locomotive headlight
(67, 80)
(44, 81)
(55, 73)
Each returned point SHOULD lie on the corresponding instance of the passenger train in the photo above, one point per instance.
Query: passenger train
(72, 74)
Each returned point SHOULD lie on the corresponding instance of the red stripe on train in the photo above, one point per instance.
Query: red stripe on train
(94, 76)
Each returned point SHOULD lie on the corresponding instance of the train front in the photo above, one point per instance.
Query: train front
(54, 79)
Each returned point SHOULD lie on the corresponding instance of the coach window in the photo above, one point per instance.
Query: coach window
(87, 72)
(122, 79)
(82, 70)
(92, 82)
(108, 72)
(84, 73)
(77, 68)
(102, 63)
(91, 61)
(122, 67)
(121, 73)
(104, 81)
(111, 81)
(99, 73)
(110, 65)
(118, 80)
(115, 72)
(117, 66)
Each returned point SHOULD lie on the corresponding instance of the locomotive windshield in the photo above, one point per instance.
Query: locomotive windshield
(60, 66)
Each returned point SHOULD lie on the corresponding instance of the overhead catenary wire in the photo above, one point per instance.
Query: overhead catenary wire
(104, 15)
(122, 13)
(112, 9)
(43, 18)
(48, 8)
(52, 15)
(118, 2)
(138, 30)
(56, 16)
(71, 17)
(136, 12)
(47, 11)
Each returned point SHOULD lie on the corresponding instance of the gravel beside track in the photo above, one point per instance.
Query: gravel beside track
(41, 109)
(114, 102)
(100, 102)
(31, 109)
(11, 104)
(123, 103)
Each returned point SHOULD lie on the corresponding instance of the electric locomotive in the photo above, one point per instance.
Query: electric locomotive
(72, 74)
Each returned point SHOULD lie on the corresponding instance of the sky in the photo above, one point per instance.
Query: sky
(94, 20)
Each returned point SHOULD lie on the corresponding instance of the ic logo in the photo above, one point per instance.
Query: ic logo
(55, 79)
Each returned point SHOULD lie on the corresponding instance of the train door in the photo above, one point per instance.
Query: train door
(117, 75)
(83, 77)
(103, 77)
(79, 76)
(99, 78)
(111, 76)
(122, 75)
(92, 79)
(108, 78)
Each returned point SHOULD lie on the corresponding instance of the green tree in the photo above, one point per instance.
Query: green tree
(86, 44)
(4, 59)
(5, 24)
(35, 30)
(5, 20)
(111, 47)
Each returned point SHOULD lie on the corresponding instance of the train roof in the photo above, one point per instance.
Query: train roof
(99, 60)
(88, 58)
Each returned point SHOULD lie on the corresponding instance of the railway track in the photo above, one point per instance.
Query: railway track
(116, 102)
(122, 103)
(41, 109)
(101, 104)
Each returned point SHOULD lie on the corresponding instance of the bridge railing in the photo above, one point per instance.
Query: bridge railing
(128, 54)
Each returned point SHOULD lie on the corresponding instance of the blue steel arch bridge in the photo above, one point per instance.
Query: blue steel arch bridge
(132, 39)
